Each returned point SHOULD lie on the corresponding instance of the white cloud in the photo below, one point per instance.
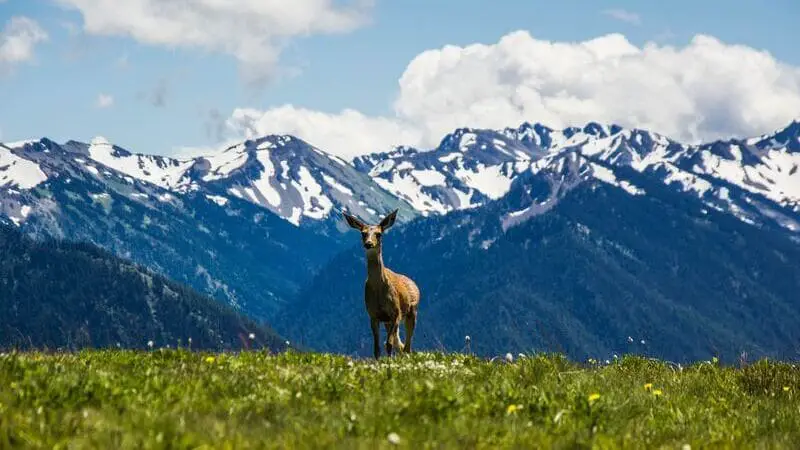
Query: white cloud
(348, 133)
(624, 15)
(253, 31)
(104, 101)
(702, 91)
(18, 40)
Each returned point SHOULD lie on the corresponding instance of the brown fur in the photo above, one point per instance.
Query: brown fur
(388, 296)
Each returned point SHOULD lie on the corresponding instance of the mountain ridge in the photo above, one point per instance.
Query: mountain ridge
(302, 183)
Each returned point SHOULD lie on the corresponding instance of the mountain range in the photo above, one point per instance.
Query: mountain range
(257, 226)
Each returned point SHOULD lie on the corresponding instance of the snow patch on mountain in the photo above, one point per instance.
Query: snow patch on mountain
(775, 176)
(262, 184)
(164, 172)
(492, 181)
(605, 175)
(222, 164)
(19, 172)
(218, 199)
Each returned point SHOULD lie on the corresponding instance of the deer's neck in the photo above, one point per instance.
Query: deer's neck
(375, 266)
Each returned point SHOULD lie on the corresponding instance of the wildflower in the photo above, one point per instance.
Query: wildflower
(509, 358)
(686, 447)
(630, 339)
(287, 343)
(393, 438)
(210, 359)
(252, 336)
(642, 341)
(466, 338)
(150, 344)
(648, 386)
(786, 389)
(593, 398)
(657, 392)
(512, 409)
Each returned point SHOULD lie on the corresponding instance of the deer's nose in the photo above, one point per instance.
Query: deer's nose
(369, 244)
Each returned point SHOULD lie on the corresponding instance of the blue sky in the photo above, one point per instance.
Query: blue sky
(170, 96)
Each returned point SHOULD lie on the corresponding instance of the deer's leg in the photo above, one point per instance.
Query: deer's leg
(393, 341)
(388, 343)
(411, 323)
(376, 345)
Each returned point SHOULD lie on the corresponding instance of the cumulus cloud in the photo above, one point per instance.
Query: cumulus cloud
(18, 40)
(624, 16)
(253, 31)
(704, 90)
(104, 101)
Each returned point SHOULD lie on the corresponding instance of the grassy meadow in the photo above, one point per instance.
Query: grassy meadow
(181, 399)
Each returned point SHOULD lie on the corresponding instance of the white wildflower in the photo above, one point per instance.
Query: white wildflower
(509, 358)
(630, 339)
(150, 344)
(252, 336)
(393, 438)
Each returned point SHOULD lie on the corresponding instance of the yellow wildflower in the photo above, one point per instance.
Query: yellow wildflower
(593, 398)
(513, 408)
(658, 393)
(210, 359)
(648, 386)
(786, 389)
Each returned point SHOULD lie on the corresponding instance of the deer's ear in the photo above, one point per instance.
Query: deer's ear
(353, 222)
(388, 221)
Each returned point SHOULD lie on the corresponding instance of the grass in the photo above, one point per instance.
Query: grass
(182, 399)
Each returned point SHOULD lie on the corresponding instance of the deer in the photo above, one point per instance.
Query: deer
(389, 297)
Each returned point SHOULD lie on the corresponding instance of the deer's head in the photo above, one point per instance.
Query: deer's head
(371, 234)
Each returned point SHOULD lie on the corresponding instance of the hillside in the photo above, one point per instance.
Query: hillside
(179, 399)
(74, 295)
